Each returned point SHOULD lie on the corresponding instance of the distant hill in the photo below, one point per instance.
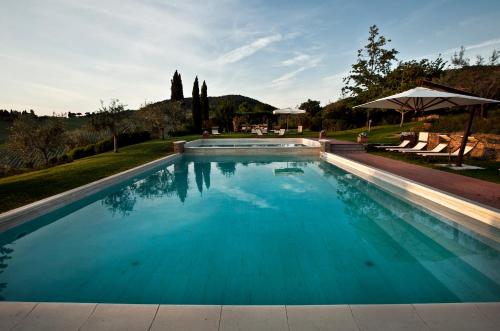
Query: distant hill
(233, 98)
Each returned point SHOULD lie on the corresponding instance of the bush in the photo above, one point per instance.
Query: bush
(64, 159)
(77, 153)
(103, 146)
(89, 150)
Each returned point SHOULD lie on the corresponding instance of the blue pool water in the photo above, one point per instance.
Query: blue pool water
(235, 230)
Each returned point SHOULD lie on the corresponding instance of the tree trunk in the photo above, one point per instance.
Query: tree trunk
(465, 138)
(46, 157)
(402, 119)
(162, 133)
(115, 143)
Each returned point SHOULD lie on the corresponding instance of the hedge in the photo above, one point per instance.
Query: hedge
(106, 145)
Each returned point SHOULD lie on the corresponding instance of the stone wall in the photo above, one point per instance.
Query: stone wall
(487, 145)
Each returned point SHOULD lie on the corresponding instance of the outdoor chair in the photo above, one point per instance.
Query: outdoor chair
(299, 129)
(215, 131)
(418, 147)
(403, 144)
(259, 132)
(439, 148)
(281, 132)
(467, 150)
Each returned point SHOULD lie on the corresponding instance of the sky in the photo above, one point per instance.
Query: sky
(67, 55)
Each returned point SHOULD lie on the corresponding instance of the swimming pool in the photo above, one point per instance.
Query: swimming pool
(245, 230)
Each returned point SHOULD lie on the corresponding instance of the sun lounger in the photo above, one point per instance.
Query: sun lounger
(215, 131)
(418, 147)
(439, 148)
(403, 144)
(282, 132)
(467, 150)
(259, 132)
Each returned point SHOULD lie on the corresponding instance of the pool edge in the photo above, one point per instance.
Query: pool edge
(23, 214)
(90, 316)
(443, 203)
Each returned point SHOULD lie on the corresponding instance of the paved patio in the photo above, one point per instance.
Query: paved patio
(481, 191)
(82, 316)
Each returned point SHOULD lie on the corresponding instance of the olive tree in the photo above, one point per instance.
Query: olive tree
(33, 138)
(111, 118)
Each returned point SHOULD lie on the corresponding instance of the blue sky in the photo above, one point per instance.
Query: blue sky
(66, 55)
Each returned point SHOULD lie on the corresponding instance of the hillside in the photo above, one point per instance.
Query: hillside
(232, 98)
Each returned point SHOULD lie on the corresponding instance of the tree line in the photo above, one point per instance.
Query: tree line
(377, 73)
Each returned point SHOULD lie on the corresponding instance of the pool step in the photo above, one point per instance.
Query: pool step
(342, 148)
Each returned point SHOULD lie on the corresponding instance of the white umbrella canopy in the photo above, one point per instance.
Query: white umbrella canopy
(288, 111)
(423, 99)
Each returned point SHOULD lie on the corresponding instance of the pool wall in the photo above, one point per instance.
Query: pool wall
(28, 212)
(199, 147)
(460, 210)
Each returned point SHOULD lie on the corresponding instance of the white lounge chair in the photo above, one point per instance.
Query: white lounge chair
(282, 132)
(215, 131)
(418, 147)
(299, 129)
(467, 150)
(259, 132)
(439, 148)
(403, 144)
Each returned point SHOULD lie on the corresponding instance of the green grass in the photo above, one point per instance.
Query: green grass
(378, 134)
(490, 173)
(25, 188)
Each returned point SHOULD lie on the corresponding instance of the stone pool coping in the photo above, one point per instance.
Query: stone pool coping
(196, 147)
(30, 211)
(463, 212)
(91, 316)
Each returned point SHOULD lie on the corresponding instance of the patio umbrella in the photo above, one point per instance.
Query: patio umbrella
(424, 99)
(288, 111)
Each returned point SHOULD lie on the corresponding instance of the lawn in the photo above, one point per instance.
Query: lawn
(378, 134)
(25, 188)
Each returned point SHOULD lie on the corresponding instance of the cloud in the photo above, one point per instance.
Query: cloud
(295, 60)
(285, 79)
(240, 195)
(247, 50)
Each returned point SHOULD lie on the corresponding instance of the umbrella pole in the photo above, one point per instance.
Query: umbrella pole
(465, 138)
(287, 117)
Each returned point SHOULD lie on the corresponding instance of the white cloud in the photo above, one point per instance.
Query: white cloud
(286, 79)
(249, 49)
(300, 58)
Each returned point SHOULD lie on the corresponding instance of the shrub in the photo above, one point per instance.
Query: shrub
(89, 150)
(77, 153)
(103, 146)
(64, 159)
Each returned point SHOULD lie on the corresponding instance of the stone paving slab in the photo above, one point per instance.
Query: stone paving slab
(262, 318)
(121, 317)
(387, 317)
(321, 318)
(12, 313)
(454, 317)
(193, 318)
(56, 316)
(78, 316)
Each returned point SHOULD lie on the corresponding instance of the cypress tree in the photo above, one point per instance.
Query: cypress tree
(204, 101)
(176, 93)
(196, 107)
